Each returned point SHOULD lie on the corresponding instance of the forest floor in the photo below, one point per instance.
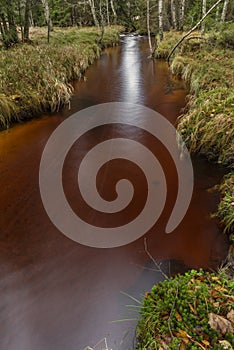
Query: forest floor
(36, 76)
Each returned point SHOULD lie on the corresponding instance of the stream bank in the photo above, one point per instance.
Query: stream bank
(36, 77)
(57, 294)
(207, 123)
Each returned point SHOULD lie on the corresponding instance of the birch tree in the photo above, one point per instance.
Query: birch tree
(93, 11)
(113, 10)
(148, 24)
(174, 15)
(224, 12)
(160, 19)
(203, 14)
(107, 12)
(182, 8)
(46, 8)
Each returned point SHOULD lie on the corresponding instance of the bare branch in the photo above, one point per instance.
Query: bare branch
(192, 30)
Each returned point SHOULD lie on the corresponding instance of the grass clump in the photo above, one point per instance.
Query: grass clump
(226, 206)
(35, 78)
(207, 127)
(191, 311)
(165, 46)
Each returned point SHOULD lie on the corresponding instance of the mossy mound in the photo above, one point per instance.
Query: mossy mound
(191, 311)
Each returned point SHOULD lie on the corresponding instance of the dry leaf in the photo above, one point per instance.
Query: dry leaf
(205, 342)
(192, 309)
(220, 323)
(183, 335)
(215, 278)
(178, 317)
(220, 289)
(182, 346)
(216, 304)
(230, 316)
(225, 345)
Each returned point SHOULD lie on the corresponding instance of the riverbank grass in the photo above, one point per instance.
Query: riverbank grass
(207, 123)
(192, 311)
(35, 77)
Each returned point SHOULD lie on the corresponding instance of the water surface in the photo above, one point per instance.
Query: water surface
(57, 294)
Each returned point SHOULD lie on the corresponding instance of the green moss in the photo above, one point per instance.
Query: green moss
(175, 314)
(35, 78)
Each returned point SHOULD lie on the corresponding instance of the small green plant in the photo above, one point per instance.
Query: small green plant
(191, 311)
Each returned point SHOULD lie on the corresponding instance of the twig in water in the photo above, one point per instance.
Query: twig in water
(154, 261)
(95, 346)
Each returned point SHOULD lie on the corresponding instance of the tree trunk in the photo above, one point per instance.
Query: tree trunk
(217, 13)
(12, 35)
(203, 28)
(107, 12)
(148, 25)
(191, 30)
(20, 20)
(113, 10)
(46, 7)
(27, 20)
(182, 7)
(102, 23)
(93, 11)
(173, 15)
(160, 19)
(224, 12)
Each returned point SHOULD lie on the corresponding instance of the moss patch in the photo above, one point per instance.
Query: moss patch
(191, 311)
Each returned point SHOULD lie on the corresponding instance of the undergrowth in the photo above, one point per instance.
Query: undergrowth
(192, 311)
(226, 206)
(35, 77)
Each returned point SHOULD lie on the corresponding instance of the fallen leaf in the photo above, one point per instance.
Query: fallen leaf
(192, 309)
(216, 304)
(178, 317)
(225, 345)
(205, 342)
(215, 278)
(230, 316)
(184, 336)
(182, 346)
(220, 289)
(220, 323)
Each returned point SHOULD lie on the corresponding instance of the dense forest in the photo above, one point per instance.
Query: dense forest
(17, 16)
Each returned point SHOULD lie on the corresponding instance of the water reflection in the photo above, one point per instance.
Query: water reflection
(131, 77)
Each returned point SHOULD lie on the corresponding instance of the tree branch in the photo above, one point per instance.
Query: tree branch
(192, 30)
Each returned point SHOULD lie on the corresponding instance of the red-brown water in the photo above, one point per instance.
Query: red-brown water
(57, 294)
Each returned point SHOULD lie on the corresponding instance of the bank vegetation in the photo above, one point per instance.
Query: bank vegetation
(36, 76)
